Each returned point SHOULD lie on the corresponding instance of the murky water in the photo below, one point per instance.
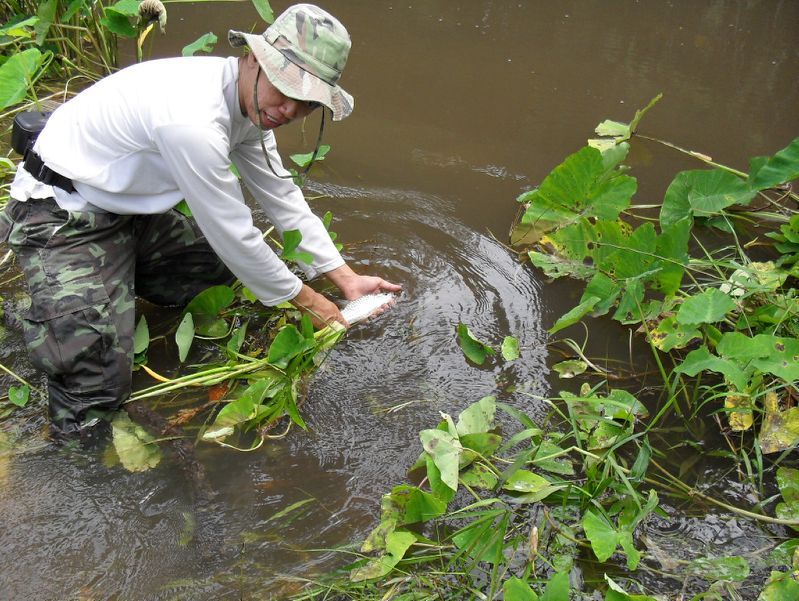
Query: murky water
(460, 106)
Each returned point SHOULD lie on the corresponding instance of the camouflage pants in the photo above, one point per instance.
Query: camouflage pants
(84, 271)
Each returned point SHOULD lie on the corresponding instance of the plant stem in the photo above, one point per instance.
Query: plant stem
(692, 492)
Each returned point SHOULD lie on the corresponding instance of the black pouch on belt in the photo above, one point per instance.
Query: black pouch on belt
(27, 127)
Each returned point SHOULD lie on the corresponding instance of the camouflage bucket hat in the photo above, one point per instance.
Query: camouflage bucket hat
(303, 53)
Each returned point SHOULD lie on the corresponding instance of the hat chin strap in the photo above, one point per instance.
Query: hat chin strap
(302, 175)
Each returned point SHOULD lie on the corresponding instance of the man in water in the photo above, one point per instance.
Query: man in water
(92, 218)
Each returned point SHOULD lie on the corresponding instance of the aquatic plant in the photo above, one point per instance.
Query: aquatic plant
(715, 311)
(496, 515)
(515, 517)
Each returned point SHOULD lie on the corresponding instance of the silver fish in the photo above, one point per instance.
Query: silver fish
(361, 308)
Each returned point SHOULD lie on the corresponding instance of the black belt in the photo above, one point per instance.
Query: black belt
(36, 167)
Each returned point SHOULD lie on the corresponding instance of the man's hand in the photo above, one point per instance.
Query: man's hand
(354, 286)
(317, 307)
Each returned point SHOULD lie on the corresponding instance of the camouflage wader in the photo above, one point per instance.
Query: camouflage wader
(84, 270)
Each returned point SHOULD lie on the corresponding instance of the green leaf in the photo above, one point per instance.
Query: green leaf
(631, 308)
(476, 476)
(733, 568)
(580, 185)
(570, 368)
(612, 128)
(782, 168)
(784, 553)
(709, 306)
(118, 23)
(291, 240)
(788, 483)
(510, 348)
(183, 208)
(129, 8)
(264, 10)
(780, 586)
(46, 14)
(605, 289)
(557, 588)
(211, 301)
(437, 487)
(672, 246)
(185, 336)
(247, 409)
(739, 346)
(525, 481)
(74, 7)
(304, 159)
(205, 43)
(397, 544)
(711, 191)
(288, 343)
(19, 29)
(516, 589)
(550, 457)
(483, 539)
(445, 450)
(700, 360)
(616, 593)
(477, 417)
(669, 334)
(19, 396)
(474, 350)
(136, 448)
(16, 75)
(603, 536)
(575, 315)
(141, 338)
(770, 354)
(413, 505)
(557, 267)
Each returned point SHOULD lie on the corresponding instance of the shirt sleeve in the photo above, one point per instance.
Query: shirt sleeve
(284, 204)
(198, 159)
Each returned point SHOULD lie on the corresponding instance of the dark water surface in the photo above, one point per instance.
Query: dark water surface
(460, 106)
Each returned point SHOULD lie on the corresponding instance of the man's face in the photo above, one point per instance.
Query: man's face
(274, 108)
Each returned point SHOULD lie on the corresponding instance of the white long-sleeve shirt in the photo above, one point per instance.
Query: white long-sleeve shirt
(142, 139)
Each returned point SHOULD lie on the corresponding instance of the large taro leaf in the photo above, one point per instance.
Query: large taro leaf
(671, 248)
(582, 185)
(624, 253)
(16, 75)
(702, 193)
(769, 354)
(709, 306)
(605, 290)
(702, 360)
(558, 267)
(205, 309)
(783, 167)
